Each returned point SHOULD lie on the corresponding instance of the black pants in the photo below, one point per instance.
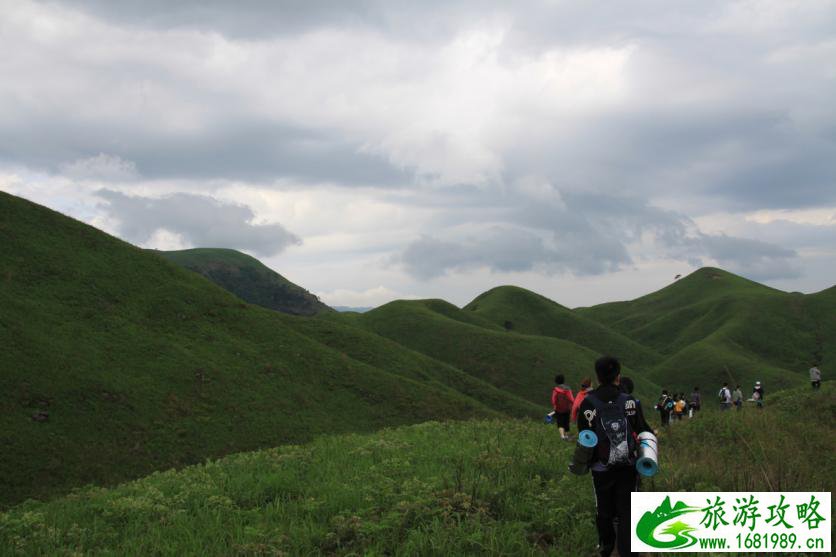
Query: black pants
(816, 384)
(612, 499)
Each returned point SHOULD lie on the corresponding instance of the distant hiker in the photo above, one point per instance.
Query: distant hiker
(613, 416)
(586, 386)
(626, 386)
(679, 406)
(815, 377)
(695, 402)
(562, 401)
(757, 394)
(665, 406)
(725, 397)
(737, 397)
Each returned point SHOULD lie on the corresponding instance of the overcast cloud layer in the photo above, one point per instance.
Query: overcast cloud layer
(371, 150)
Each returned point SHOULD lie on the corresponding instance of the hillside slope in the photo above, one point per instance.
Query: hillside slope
(116, 362)
(249, 279)
(523, 311)
(496, 487)
(714, 326)
(524, 365)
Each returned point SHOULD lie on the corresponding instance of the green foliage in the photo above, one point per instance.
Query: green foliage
(249, 279)
(495, 487)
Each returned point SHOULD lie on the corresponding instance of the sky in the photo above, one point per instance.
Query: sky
(380, 149)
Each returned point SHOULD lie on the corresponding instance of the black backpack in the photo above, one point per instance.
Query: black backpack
(611, 423)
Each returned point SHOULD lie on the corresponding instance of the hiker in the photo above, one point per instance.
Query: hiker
(613, 416)
(626, 385)
(815, 377)
(725, 397)
(586, 386)
(664, 406)
(694, 407)
(562, 401)
(679, 406)
(737, 398)
(757, 394)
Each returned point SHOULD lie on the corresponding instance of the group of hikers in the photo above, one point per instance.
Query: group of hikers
(567, 405)
(616, 418)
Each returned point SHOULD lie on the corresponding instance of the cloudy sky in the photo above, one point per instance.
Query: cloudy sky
(376, 149)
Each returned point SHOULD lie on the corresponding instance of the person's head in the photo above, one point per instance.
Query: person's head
(627, 385)
(608, 370)
(725, 384)
(586, 382)
(559, 379)
(738, 386)
(665, 392)
(696, 389)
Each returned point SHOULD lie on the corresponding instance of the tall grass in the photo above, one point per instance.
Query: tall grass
(455, 488)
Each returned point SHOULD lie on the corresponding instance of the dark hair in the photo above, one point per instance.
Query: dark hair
(696, 388)
(726, 383)
(738, 386)
(664, 391)
(559, 379)
(627, 385)
(607, 369)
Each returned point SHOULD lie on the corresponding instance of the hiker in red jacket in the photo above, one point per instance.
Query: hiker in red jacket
(562, 401)
(586, 386)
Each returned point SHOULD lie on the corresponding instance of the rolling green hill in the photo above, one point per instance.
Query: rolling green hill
(249, 279)
(523, 311)
(498, 487)
(116, 362)
(713, 326)
(522, 364)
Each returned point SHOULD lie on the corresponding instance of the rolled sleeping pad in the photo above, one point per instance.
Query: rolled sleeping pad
(648, 462)
(587, 438)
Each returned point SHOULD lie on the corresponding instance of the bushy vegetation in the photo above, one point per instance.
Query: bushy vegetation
(496, 487)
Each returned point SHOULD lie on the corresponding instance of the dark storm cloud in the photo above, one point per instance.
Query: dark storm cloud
(200, 220)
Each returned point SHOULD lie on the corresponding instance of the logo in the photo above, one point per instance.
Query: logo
(650, 521)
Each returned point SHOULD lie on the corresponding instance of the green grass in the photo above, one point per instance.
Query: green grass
(248, 278)
(495, 487)
(714, 326)
(522, 364)
(142, 365)
(525, 312)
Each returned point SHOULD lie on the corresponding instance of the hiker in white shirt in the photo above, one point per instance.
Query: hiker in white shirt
(815, 377)
(725, 397)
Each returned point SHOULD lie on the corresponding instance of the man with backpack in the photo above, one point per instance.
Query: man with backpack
(562, 401)
(758, 394)
(665, 407)
(612, 415)
(725, 397)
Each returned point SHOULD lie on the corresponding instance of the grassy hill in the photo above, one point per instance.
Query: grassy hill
(116, 362)
(522, 364)
(714, 326)
(523, 311)
(495, 487)
(249, 279)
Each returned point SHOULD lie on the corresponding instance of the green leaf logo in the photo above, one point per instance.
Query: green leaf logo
(680, 531)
